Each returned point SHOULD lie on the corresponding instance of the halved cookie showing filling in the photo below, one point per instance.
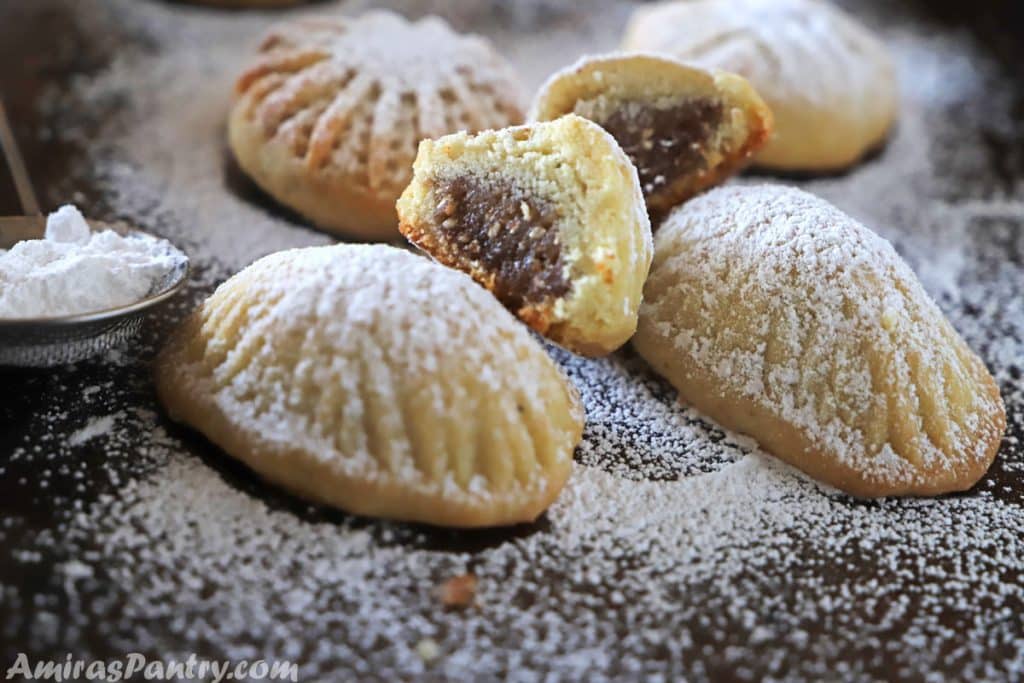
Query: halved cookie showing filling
(549, 217)
(685, 129)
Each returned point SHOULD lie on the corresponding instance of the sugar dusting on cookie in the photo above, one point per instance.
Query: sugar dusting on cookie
(331, 109)
(373, 379)
(675, 545)
(787, 302)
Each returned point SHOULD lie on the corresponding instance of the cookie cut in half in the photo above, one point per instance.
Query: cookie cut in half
(685, 129)
(331, 109)
(783, 318)
(371, 379)
(548, 216)
(830, 82)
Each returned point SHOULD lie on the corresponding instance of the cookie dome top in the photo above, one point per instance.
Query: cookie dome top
(829, 81)
(801, 45)
(800, 313)
(353, 97)
(377, 381)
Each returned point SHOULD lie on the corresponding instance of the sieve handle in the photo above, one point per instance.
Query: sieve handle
(15, 162)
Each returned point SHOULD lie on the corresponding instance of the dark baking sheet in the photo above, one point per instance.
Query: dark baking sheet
(47, 480)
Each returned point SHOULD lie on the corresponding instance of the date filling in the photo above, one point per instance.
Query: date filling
(495, 225)
(666, 144)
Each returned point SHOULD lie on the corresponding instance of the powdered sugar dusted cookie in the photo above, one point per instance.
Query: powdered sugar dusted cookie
(331, 110)
(549, 217)
(781, 317)
(240, 4)
(371, 379)
(685, 129)
(829, 82)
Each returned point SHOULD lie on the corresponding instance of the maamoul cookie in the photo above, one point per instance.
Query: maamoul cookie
(829, 82)
(549, 217)
(330, 112)
(374, 380)
(781, 317)
(240, 4)
(685, 129)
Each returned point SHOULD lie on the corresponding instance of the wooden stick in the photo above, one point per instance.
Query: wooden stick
(15, 162)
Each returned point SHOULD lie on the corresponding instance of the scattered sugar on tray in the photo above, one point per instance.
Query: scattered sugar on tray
(227, 560)
(74, 270)
(94, 427)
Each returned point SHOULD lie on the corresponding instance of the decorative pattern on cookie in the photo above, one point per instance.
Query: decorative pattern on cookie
(371, 379)
(685, 129)
(330, 112)
(245, 4)
(781, 317)
(549, 217)
(829, 82)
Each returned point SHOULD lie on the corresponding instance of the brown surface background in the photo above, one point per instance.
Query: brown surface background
(30, 65)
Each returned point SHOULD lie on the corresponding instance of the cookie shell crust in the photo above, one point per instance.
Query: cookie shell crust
(780, 317)
(370, 379)
(329, 112)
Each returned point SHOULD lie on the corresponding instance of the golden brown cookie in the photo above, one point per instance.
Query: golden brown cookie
(685, 129)
(829, 82)
(329, 114)
(373, 380)
(548, 216)
(781, 317)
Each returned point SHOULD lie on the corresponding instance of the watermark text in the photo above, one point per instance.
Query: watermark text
(135, 666)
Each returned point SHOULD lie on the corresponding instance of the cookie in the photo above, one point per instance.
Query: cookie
(329, 113)
(780, 317)
(245, 4)
(547, 216)
(829, 82)
(371, 379)
(685, 129)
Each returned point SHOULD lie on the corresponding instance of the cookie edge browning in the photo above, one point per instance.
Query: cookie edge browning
(788, 443)
(806, 158)
(542, 318)
(306, 479)
(554, 99)
(327, 200)
(186, 400)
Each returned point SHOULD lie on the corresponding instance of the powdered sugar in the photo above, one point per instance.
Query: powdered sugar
(67, 225)
(73, 270)
(95, 427)
(621, 567)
